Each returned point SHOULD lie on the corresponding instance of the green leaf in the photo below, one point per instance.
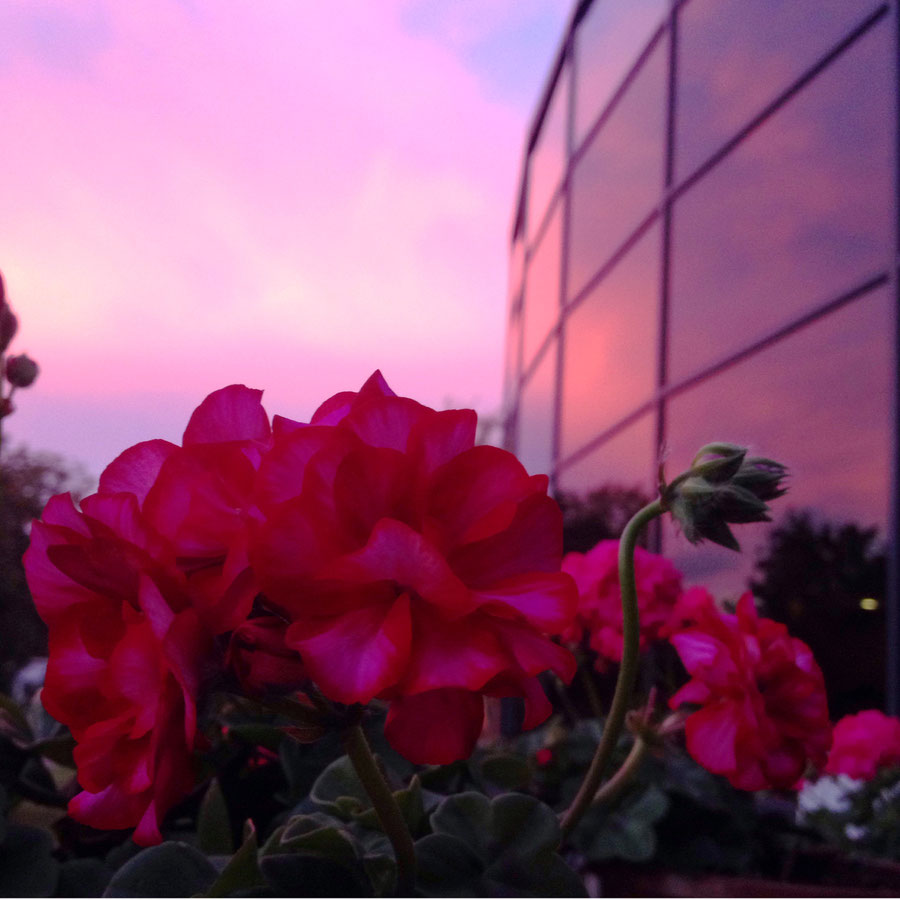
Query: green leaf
(86, 877)
(338, 790)
(466, 816)
(512, 841)
(172, 869)
(293, 875)
(213, 823)
(27, 867)
(411, 801)
(447, 866)
(381, 871)
(506, 771)
(303, 835)
(242, 871)
(629, 832)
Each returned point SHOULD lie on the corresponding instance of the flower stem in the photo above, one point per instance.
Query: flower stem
(627, 671)
(612, 789)
(386, 808)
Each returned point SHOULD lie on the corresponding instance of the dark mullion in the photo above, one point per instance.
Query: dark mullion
(665, 261)
(892, 588)
(556, 423)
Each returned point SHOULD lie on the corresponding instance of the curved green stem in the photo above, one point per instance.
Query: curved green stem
(612, 790)
(627, 671)
(386, 808)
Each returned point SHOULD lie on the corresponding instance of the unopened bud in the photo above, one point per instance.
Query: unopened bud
(6, 407)
(727, 488)
(21, 371)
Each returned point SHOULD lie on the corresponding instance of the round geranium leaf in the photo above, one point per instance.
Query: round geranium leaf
(172, 869)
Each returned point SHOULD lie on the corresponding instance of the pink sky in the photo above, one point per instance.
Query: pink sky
(285, 194)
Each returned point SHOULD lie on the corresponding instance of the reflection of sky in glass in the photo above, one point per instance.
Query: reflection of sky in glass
(542, 287)
(607, 43)
(619, 179)
(535, 421)
(511, 366)
(818, 401)
(625, 461)
(794, 216)
(610, 346)
(735, 56)
(548, 159)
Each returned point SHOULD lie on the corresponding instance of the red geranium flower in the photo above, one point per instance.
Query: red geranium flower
(863, 744)
(764, 713)
(127, 656)
(133, 590)
(413, 566)
(200, 497)
(596, 574)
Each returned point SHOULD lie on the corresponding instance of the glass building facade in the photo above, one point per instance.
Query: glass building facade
(705, 247)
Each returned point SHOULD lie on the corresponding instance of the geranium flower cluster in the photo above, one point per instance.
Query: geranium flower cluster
(599, 614)
(863, 744)
(374, 550)
(763, 711)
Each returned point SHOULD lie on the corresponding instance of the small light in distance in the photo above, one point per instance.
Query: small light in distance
(869, 604)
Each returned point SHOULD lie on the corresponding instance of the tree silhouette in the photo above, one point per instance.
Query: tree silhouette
(599, 515)
(27, 481)
(812, 577)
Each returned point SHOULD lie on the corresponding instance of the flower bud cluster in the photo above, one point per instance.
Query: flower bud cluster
(723, 486)
(19, 371)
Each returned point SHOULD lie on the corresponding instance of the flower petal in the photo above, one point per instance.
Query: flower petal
(135, 470)
(435, 727)
(356, 656)
(233, 413)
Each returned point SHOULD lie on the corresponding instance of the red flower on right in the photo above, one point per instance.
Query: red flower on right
(863, 744)
(763, 710)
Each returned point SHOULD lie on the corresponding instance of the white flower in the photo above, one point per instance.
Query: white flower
(831, 792)
(855, 832)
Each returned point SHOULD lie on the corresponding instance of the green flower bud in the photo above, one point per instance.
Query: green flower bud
(723, 486)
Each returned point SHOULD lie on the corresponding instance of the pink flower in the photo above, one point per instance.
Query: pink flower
(200, 497)
(596, 574)
(413, 566)
(763, 711)
(134, 589)
(128, 655)
(863, 744)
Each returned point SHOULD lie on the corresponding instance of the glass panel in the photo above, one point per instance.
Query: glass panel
(796, 215)
(542, 287)
(819, 401)
(537, 405)
(602, 491)
(609, 40)
(619, 179)
(624, 461)
(736, 56)
(548, 158)
(610, 346)
(512, 360)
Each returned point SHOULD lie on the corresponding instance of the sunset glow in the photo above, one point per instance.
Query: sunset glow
(285, 194)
